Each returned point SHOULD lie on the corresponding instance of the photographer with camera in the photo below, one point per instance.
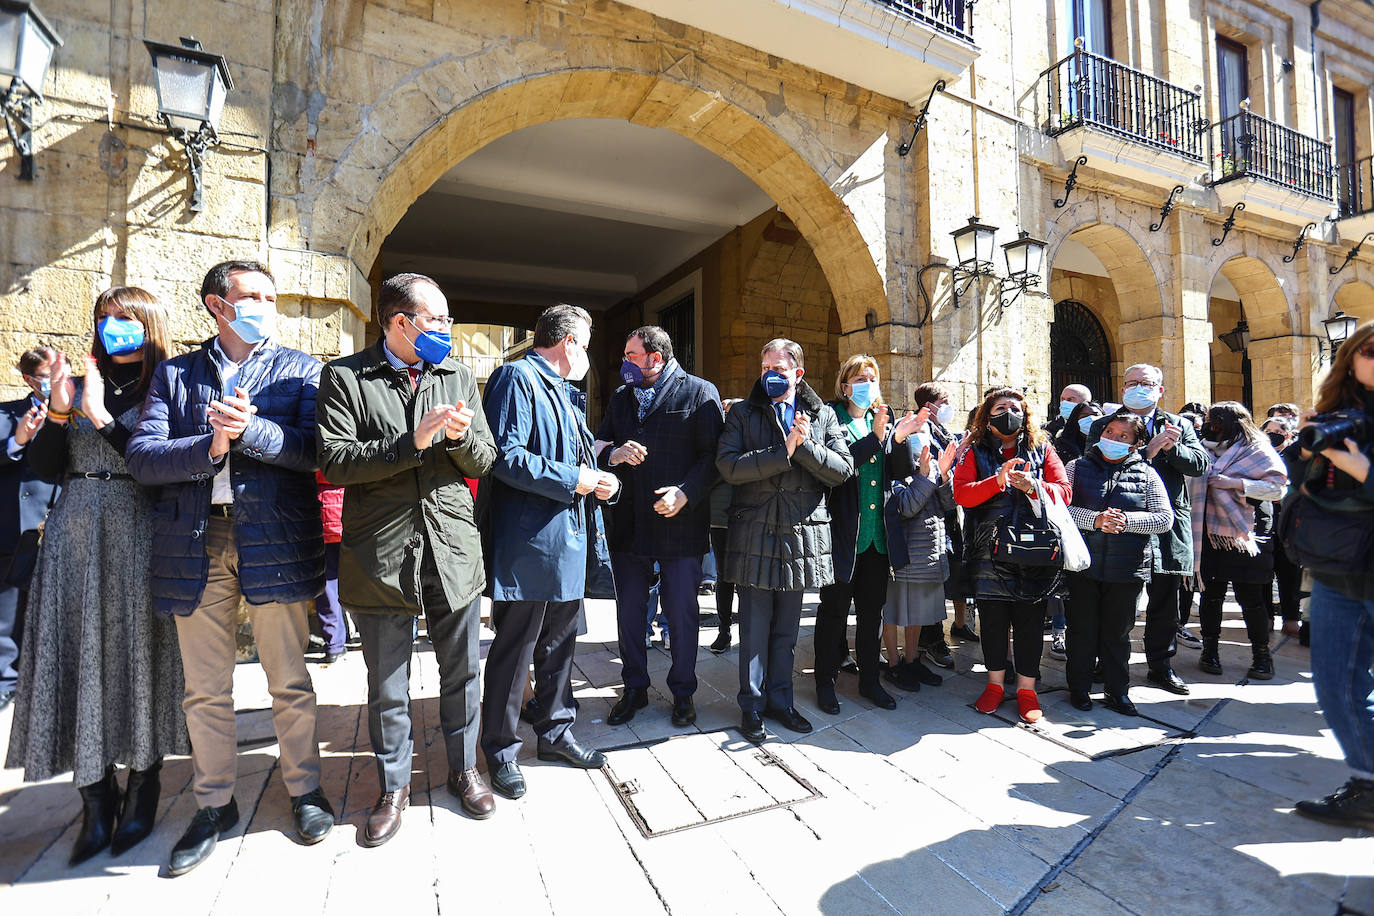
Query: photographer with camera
(1329, 529)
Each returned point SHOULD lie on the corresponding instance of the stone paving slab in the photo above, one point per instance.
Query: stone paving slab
(929, 808)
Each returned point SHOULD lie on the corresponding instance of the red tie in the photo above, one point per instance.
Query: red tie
(414, 377)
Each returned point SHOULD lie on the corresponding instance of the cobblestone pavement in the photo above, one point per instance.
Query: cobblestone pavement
(931, 808)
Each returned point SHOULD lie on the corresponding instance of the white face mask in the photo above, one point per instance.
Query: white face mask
(945, 414)
(578, 364)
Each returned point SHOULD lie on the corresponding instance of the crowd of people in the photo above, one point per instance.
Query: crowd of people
(170, 490)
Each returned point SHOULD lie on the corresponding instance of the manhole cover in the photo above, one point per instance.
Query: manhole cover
(686, 781)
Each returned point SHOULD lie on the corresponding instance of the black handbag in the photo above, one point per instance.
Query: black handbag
(1327, 540)
(1022, 539)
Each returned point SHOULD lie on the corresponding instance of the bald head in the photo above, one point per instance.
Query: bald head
(1078, 394)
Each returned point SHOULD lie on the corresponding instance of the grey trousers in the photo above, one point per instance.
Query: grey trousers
(387, 644)
(542, 632)
(769, 622)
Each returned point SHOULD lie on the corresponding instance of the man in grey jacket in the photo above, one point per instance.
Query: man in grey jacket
(782, 449)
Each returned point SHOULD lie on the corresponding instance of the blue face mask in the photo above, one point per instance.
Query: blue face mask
(44, 386)
(1113, 450)
(1140, 397)
(1085, 424)
(1066, 408)
(255, 322)
(631, 374)
(775, 384)
(120, 335)
(431, 346)
(919, 441)
(861, 394)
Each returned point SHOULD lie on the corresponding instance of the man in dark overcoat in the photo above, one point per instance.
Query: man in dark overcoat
(659, 436)
(400, 426)
(548, 551)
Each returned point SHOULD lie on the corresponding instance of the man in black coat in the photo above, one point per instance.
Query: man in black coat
(24, 504)
(659, 437)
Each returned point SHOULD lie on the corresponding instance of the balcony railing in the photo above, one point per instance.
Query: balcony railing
(1087, 90)
(1355, 187)
(952, 16)
(1246, 145)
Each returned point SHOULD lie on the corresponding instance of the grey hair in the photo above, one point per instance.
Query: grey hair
(789, 347)
(1156, 372)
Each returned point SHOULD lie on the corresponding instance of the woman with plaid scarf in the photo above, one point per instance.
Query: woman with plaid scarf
(1233, 522)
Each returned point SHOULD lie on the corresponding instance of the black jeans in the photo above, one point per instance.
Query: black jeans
(1185, 603)
(1289, 575)
(1025, 622)
(1161, 620)
(1101, 617)
(1253, 599)
(725, 591)
(867, 589)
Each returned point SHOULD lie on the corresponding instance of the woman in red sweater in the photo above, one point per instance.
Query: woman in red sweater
(996, 475)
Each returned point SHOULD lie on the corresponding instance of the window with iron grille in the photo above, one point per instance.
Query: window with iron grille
(680, 321)
(1079, 351)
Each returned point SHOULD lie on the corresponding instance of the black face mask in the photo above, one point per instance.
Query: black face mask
(1006, 423)
(1277, 439)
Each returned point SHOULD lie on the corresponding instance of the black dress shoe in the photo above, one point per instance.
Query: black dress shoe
(751, 727)
(530, 711)
(873, 692)
(99, 808)
(901, 677)
(634, 698)
(140, 809)
(1080, 701)
(964, 633)
(684, 711)
(314, 816)
(722, 642)
(1169, 681)
(826, 701)
(508, 780)
(924, 675)
(849, 665)
(788, 718)
(573, 754)
(1352, 805)
(332, 657)
(1121, 704)
(199, 840)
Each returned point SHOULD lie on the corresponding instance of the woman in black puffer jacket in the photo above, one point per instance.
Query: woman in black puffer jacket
(1118, 501)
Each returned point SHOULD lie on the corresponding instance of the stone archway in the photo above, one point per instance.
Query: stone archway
(1277, 370)
(1354, 297)
(371, 188)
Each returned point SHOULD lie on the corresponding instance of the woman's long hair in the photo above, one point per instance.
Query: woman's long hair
(142, 306)
(1339, 388)
(1230, 420)
(1034, 435)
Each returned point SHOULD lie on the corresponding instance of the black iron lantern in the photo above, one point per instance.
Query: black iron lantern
(1338, 327)
(27, 44)
(1237, 339)
(192, 85)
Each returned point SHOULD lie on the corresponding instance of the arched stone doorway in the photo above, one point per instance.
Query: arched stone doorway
(1080, 353)
(372, 187)
(1271, 369)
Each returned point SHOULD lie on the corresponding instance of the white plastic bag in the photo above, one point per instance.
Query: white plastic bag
(1076, 555)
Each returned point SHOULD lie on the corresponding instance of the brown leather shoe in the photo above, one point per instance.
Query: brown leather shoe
(473, 792)
(385, 818)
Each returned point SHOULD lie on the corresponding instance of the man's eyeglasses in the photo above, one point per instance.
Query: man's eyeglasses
(1137, 383)
(430, 320)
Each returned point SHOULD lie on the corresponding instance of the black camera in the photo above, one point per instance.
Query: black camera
(1330, 430)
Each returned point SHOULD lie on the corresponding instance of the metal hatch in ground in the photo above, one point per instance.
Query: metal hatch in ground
(685, 781)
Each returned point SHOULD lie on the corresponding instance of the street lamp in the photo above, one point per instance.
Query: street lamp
(27, 44)
(1024, 257)
(191, 88)
(973, 245)
(1338, 327)
(1237, 339)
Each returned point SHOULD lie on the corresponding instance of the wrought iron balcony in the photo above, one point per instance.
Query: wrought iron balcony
(1088, 90)
(1246, 145)
(954, 17)
(1355, 188)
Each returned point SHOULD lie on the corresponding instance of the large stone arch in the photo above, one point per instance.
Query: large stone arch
(380, 175)
(1280, 371)
(1354, 297)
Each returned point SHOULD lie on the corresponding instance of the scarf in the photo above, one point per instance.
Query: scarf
(1225, 516)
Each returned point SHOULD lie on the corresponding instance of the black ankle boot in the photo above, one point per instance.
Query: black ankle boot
(100, 805)
(1262, 668)
(140, 809)
(1210, 659)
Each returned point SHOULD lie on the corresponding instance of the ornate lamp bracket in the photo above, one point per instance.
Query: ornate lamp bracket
(1071, 182)
(1167, 208)
(920, 122)
(1230, 223)
(1299, 243)
(1351, 254)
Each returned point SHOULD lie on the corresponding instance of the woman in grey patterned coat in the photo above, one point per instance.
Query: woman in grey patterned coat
(100, 678)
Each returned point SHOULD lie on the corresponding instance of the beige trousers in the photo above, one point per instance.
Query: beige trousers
(207, 654)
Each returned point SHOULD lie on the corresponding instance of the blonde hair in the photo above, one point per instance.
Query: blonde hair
(852, 367)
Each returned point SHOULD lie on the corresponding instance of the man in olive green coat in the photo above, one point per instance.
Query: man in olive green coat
(400, 425)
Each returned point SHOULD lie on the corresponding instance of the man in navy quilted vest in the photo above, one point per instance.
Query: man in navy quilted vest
(228, 434)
